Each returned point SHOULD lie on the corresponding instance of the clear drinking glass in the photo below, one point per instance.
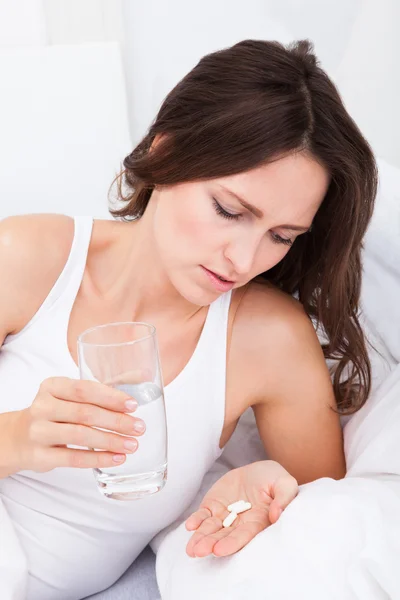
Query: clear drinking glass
(125, 356)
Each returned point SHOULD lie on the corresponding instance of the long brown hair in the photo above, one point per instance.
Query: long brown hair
(242, 107)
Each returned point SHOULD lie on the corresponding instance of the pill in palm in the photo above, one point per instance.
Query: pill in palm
(239, 506)
(229, 519)
(245, 506)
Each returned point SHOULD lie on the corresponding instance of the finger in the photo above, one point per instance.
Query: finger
(210, 507)
(130, 377)
(237, 538)
(197, 518)
(89, 392)
(209, 526)
(79, 459)
(61, 434)
(284, 491)
(204, 545)
(87, 414)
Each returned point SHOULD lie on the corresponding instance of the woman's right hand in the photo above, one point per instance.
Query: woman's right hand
(66, 412)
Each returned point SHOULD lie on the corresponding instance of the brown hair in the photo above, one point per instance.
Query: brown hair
(252, 103)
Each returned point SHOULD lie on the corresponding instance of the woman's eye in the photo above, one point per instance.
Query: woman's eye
(224, 213)
(277, 239)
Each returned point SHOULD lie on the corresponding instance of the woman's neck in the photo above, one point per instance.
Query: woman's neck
(124, 270)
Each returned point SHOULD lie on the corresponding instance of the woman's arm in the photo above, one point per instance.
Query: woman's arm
(277, 357)
(33, 250)
(277, 365)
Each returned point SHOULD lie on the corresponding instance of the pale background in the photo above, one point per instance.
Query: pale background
(81, 80)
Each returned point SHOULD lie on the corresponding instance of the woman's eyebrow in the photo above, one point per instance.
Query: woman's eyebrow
(295, 228)
(253, 209)
(258, 213)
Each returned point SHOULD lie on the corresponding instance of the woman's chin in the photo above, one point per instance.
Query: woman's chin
(198, 295)
(201, 299)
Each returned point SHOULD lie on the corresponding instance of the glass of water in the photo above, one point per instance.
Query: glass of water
(125, 356)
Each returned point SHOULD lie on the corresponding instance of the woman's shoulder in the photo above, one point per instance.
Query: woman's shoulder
(264, 308)
(271, 332)
(33, 252)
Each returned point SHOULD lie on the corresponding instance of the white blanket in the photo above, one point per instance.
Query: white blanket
(336, 540)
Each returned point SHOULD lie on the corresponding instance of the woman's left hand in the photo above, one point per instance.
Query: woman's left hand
(269, 488)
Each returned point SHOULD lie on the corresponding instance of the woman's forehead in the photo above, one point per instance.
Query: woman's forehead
(293, 183)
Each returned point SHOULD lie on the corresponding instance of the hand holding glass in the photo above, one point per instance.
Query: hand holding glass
(125, 356)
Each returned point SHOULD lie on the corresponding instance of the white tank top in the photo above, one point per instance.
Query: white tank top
(78, 542)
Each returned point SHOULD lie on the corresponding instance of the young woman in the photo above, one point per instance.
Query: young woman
(244, 210)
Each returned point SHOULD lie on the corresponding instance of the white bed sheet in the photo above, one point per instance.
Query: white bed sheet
(337, 539)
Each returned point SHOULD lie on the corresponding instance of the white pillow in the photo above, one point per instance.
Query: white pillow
(381, 260)
(64, 128)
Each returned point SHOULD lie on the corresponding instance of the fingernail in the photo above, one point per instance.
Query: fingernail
(131, 405)
(139, 426)
(118, 458)
(130, 445)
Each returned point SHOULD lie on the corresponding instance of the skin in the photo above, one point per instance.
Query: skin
(151, 270)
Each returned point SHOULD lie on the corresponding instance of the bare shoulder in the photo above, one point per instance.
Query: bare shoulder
(264, 309)
(33, 252)
(271, 333)
(277, 367)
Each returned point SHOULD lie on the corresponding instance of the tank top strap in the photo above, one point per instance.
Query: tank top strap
(70, 279)
(211, 350)
(213, 339)
(68, 282)
(212, 365)
(209, 355)
(218, 314)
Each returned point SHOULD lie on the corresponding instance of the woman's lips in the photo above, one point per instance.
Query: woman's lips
(219, 284)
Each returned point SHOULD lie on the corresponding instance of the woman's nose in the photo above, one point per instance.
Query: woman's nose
(242, 253)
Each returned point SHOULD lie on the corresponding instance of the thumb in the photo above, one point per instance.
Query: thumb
(284, 490)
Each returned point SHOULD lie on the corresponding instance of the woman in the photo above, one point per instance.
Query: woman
(253, 185)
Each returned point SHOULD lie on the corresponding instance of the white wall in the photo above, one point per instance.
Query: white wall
(63, 111)
(356, 40)
(80, 21)
(161, 40)
(49, 22)
(368, 75)
(22, 23)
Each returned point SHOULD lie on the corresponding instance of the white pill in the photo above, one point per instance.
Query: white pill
(239, 506)
(245, 506)
(229, 519)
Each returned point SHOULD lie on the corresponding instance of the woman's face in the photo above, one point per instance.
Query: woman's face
(235, 227)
